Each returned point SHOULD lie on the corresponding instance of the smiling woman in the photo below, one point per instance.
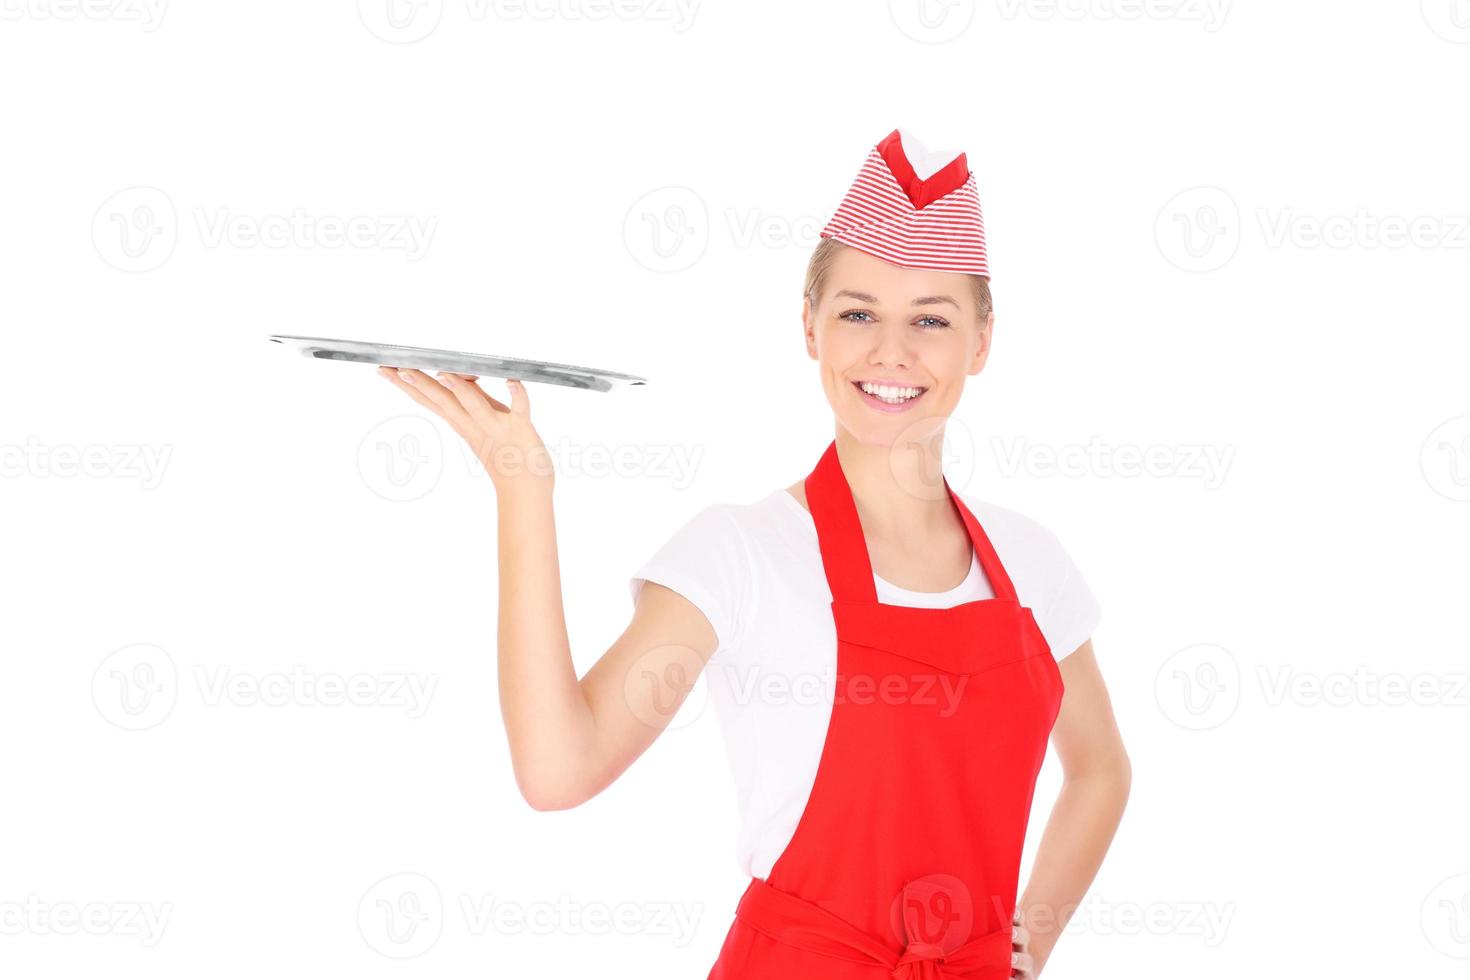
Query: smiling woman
(883, 821)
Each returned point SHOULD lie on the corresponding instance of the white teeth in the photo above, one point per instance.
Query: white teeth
(893, 394)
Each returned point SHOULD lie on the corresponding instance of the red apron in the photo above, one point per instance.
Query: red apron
(905, 862)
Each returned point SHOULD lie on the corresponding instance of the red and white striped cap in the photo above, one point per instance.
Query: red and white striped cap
(914, 208)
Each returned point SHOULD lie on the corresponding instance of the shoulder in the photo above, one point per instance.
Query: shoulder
(760, 526)
(746, 523)
(1016, 536)
(1047, 579)
(717, 555)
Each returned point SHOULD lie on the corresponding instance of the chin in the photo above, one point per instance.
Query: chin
(895, 431)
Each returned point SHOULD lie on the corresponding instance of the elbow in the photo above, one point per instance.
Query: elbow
(547, 795)
(548, 802)
(1120, 775)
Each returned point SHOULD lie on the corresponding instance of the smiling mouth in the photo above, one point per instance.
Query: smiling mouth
(889, 394)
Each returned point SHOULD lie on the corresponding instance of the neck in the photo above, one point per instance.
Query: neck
(897, 488)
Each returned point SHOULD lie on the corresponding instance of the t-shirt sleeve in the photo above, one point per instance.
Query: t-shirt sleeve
(1072, 612)
(706, 562)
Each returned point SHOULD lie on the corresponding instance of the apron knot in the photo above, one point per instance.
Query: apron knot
(936, 915)
(920, 961)
(794, 921)
(976, 960)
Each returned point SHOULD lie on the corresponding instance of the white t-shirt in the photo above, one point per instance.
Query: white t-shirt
(755, 571)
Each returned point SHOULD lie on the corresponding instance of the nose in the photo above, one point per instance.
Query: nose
(891, 347)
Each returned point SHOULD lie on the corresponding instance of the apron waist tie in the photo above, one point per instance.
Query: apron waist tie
(796, 922)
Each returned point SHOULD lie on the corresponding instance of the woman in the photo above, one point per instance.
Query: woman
(884, 819)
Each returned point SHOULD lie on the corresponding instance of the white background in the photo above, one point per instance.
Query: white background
(1195, 214)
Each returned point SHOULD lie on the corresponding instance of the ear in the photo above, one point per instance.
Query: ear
(809, 327)
(982, 346)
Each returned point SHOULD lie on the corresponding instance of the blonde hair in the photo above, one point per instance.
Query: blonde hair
(826, 251)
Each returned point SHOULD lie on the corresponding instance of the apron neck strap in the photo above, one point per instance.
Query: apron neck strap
(845, 550)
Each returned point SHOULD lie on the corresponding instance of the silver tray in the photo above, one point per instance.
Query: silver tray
(458, 362)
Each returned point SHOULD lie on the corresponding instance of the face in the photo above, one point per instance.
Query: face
(894, 345)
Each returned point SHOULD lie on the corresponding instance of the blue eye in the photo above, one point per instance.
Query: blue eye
(935, 322)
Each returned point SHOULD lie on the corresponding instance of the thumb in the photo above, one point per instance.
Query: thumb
(520, 403)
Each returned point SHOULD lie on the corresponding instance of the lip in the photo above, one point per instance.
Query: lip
(881, 406)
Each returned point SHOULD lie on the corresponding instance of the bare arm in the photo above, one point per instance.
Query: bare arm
(569, 738)
(1096, 776)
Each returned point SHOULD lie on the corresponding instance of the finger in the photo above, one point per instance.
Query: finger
(485, 419)
(448, 405)
(392, 375)
(469, 378)
(471, 395)
(1020, 937)
(484, 414)
(443, 404)
(1023, 965)
(520, 402)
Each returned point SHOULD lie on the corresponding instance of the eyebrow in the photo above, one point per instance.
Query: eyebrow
(920, 301)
